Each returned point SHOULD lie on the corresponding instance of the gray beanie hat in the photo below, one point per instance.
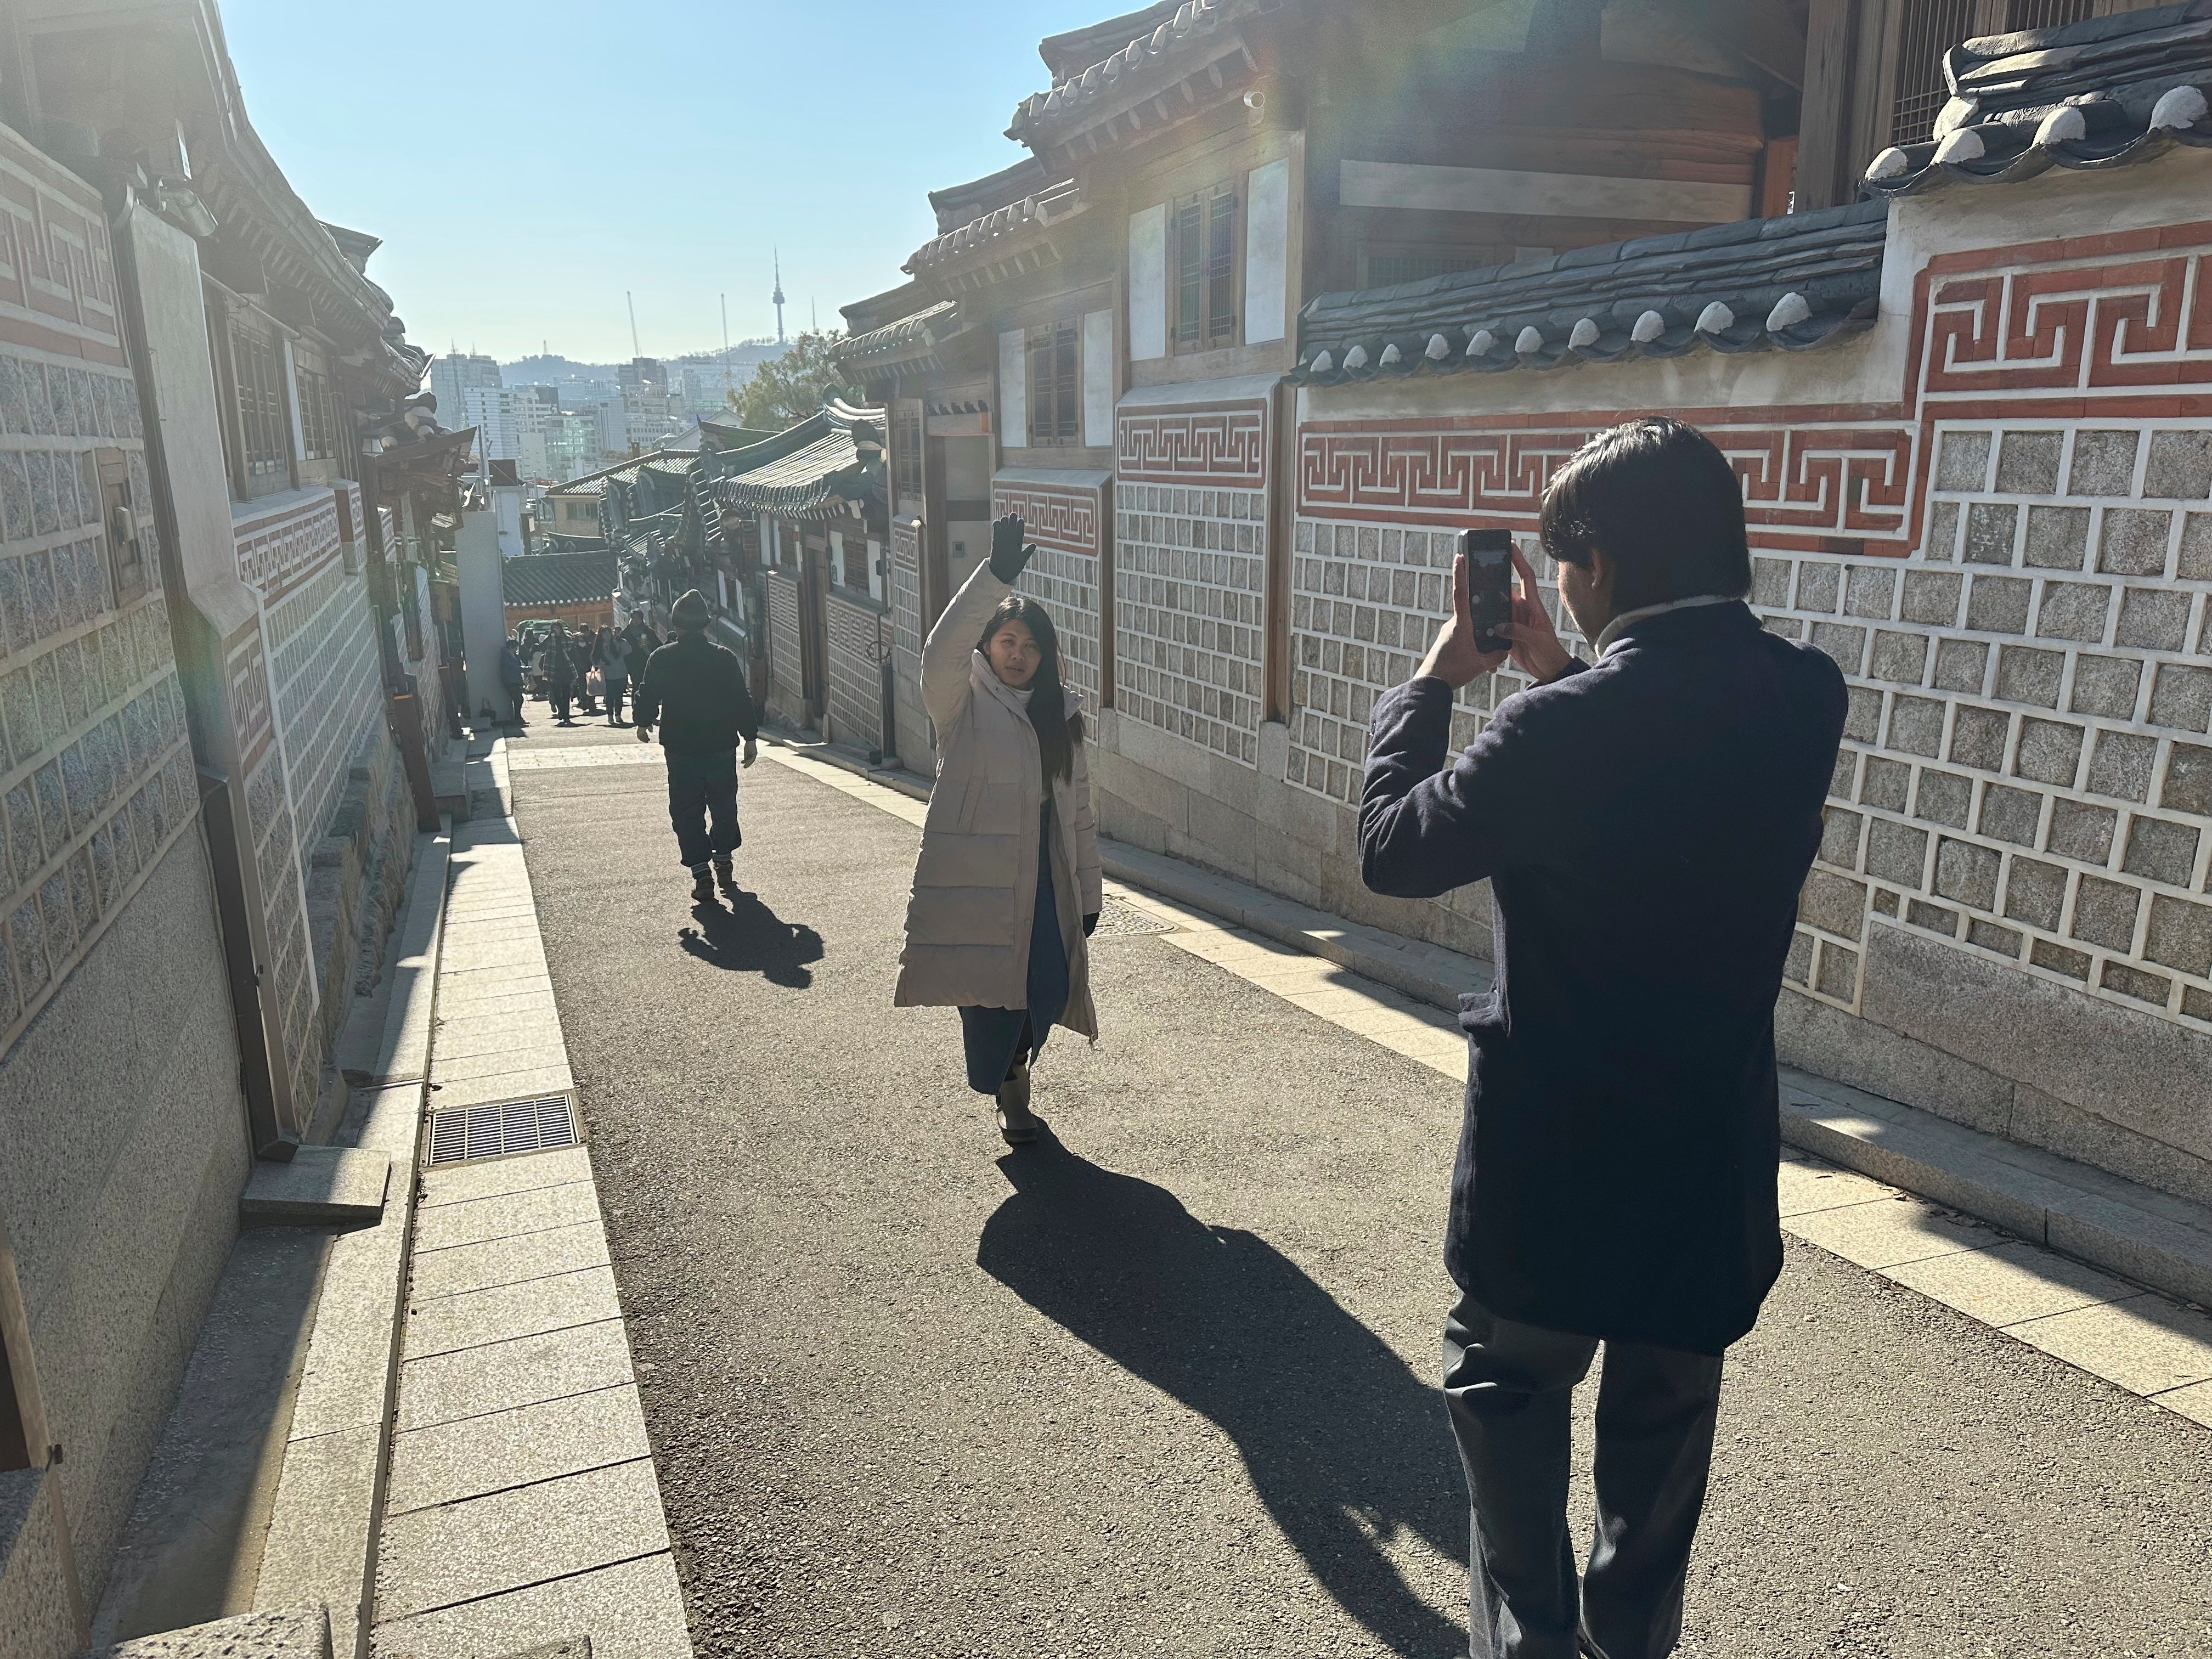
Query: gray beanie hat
(691, 610)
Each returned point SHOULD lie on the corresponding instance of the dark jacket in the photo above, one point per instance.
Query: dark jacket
(694, 691)
(639, 648)
(1645, 825)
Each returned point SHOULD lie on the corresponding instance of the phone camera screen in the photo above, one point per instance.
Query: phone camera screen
(1490, 582)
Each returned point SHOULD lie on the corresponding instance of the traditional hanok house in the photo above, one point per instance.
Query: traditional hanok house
(575, 588)
(592, 510)
(929, 364)
(208, 820)
(817, 494)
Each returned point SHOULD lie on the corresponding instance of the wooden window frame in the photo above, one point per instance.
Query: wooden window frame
(261, 408)
(1053, 384)
(1212, 273)
(906, 449)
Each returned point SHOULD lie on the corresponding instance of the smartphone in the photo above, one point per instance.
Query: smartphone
(1489, 555)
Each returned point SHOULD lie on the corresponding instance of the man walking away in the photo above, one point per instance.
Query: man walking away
(510, 676)
(639, 643)
(1645, 823)
(560, 673)
(696, 691)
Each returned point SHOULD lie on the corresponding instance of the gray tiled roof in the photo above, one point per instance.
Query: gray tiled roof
(959, 204)
(557, 578)
(595, 484)
(1792, 282)
(1144, 64)
(2093, 94)
(1073, 50)
(1000, 226)
(810, 470)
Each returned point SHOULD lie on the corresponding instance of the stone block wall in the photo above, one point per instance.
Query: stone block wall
(1190, 563)
(1065, 515)
(786, 670)
(121, 1144)
(913, 743)
(857, 627)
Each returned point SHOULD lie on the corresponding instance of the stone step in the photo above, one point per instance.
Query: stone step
(292, 1634)
(320, 1186)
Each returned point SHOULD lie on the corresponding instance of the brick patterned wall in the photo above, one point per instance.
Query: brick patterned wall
(858, 635)
(2025, 771)
(96, 778)
(1064, 523)
(907, 632)
(786, 670)
(1189, 613)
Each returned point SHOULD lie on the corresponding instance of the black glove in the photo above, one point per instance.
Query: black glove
(1010, 556)
(1090, 924)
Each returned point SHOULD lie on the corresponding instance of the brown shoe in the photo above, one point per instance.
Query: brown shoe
(1017, 1123)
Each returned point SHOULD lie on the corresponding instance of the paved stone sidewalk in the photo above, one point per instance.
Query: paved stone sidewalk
(2146, 1343)
(522, 1506)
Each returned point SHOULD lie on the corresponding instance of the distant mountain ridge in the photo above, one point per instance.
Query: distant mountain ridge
(544, 368)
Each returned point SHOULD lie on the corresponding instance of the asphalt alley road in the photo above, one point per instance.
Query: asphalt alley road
(1162, 1385)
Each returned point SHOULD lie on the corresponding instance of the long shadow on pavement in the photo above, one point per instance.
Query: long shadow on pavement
(748, 937)
(1343, 1443)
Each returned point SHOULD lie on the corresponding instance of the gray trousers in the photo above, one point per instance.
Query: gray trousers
(1509, 1388)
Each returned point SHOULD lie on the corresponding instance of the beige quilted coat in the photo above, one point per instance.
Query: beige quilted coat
(974, 885)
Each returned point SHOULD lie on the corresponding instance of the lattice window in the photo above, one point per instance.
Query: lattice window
(1929, 29)
(906, 447)
(317, 433)
(262, 421)
(2046, 14)
(1056, 385)
(1206, 231)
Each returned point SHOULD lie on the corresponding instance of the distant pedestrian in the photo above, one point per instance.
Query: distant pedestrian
(614, 673)
(581, 647)
(1007, 890)
(695, 690)
(1645, 824)
(510, 676)
(639, 643)
(561, 676)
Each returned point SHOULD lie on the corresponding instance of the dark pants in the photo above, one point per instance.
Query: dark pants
(1508, 1387)
(513, 694)
(614, 694)
(558, 694)
(701, 786)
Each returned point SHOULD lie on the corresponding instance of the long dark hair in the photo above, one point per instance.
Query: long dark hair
(1059, 728)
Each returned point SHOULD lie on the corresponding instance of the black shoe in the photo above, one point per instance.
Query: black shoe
(702, 888)
(726, 879)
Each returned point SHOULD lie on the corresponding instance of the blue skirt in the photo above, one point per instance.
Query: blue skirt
(997, 1037)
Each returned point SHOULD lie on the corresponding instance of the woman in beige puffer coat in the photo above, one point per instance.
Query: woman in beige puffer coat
(1006, 889)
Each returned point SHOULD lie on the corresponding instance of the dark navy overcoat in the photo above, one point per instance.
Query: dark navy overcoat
(1645, 825)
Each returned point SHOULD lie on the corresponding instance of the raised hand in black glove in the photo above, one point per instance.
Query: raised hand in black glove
(1090, 924)
(1010, 555)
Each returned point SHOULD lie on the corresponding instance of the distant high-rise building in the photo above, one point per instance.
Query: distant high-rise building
(502, 416)
(453, 377)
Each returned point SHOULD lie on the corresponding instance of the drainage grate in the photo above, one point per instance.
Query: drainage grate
(468, 1133)
(1120, 917)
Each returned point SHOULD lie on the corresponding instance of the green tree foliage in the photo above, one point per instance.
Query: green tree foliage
(788, 389)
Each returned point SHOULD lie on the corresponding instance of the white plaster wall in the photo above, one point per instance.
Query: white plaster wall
(483, 616)
(1098, 378)
(1517, 189)
(1266, 250)
(1148, 282)
(1013, 388)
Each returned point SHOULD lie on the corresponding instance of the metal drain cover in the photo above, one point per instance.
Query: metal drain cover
(502, 1128)
(1120, 917)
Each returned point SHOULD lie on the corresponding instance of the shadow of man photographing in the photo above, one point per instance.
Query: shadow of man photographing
(748, 937)
(1343, 1443)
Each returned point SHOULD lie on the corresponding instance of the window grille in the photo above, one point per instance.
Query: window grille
(1056, 385)
(317, 436)
(1928, 30)
(906, 448)
(262, 418)
(1388, 269)
(1205, 230)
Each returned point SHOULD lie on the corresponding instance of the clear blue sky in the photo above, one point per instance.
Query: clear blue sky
(525, 163)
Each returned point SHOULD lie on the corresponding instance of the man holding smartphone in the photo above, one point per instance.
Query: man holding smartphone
(1645, 823)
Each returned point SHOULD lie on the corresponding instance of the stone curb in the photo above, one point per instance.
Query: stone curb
(323, 1525)
(2106, 1220)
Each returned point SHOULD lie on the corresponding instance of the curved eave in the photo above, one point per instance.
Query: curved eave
(1913, 169)
(1614, 343)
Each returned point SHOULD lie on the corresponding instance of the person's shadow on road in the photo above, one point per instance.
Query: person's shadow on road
(1343, 1443)
(748, 937)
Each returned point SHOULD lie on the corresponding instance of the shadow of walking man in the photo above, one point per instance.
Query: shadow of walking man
(748, 937)
(1344, 1445)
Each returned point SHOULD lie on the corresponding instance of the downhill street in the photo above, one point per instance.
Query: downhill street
(1164, 1384)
